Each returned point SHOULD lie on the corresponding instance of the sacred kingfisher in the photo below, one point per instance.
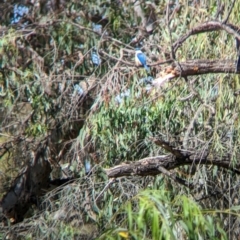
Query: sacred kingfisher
(140, 59)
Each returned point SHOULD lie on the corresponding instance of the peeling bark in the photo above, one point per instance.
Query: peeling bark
(196, 67)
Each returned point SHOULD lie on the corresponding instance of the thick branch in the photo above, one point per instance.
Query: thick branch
(196, 67)
(150, 166)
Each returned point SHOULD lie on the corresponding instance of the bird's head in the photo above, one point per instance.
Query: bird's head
(138, 51)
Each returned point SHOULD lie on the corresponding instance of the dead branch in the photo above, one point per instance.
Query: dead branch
(229, 12)
(196, 67)
(167, 147)
(173, 176)
(208, 27)
(154, 165)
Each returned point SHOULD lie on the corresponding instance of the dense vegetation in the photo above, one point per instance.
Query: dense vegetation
(72, 97)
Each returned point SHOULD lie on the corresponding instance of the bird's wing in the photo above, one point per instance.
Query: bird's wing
(142, 58)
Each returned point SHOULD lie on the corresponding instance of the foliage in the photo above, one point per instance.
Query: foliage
(115, 127)
(52, 93)
(153, 214)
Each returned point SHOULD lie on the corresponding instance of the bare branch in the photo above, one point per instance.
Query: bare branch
(219, 9)
(150, 166)
(169, 31)
(168, 147)
(174, 177)
(230, 10)
(208, 27)
(198, 67)
(105, 188)
(195, 67)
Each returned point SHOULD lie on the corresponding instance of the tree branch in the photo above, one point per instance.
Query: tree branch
(230, 10)
(154, 165)
(208, 27)
(196, 67)
(167, 147)
(174, 177)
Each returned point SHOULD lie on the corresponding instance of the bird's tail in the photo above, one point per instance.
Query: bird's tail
(147, 68)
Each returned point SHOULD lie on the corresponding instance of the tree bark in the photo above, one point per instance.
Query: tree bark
(196, 67)
(150, 165)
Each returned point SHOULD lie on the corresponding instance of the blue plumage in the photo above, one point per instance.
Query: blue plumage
(141, 59)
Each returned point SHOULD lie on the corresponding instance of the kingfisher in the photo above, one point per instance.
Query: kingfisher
(140, 59)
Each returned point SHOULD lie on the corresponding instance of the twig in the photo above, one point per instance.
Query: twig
(112, 180)
(230, 10)
(169, 30)
(219, 9)
(174, 177)
(167, 147)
